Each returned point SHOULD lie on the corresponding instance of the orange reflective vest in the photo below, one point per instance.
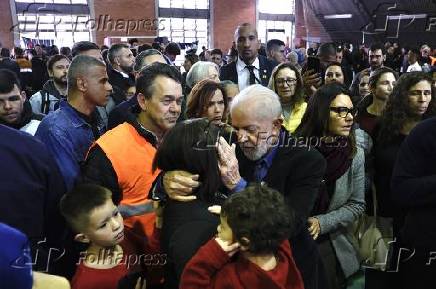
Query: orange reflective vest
(132, 156)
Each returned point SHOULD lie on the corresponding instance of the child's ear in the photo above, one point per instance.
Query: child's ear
(82, 238)
(245, 244)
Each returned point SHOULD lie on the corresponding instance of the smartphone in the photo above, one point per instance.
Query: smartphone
(313, 64)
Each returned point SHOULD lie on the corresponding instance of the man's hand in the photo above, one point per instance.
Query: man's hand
(311, 81)
(314, 227)
(179, 185)
(228, 164)
(230, 249)
(141, 283)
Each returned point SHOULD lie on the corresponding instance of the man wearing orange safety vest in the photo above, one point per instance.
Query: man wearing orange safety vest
(122, 158)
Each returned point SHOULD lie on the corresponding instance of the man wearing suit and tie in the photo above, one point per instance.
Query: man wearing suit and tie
(250, 68)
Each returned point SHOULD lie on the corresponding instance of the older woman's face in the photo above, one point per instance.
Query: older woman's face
(340, 122)
(285, 83)
(213, 74)
(334, 74)
(215, 109)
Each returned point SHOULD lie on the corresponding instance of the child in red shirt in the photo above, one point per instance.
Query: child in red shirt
(92, 214)
(251, 249)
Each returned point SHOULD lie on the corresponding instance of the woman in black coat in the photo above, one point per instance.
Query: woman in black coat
(189, 146)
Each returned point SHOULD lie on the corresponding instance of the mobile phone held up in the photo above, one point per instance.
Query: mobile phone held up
(313, 64)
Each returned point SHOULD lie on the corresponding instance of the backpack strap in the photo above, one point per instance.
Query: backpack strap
(45, 102)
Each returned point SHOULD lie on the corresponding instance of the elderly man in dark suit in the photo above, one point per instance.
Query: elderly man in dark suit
(250, 68)
(267, 153)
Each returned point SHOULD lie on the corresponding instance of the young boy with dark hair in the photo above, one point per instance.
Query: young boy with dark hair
(251, 249)
(91, 213)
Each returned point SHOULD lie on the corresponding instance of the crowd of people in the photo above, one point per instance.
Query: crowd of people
(249, 169)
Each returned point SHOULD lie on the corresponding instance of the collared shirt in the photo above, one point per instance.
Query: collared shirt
(125, 75)
(68, 137)
(260, 170)
(414, 67)
(244, 73)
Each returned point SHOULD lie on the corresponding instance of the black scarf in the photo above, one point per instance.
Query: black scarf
(338, 157)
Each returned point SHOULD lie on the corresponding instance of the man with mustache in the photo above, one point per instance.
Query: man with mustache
(376, 58)
(250, 68)
(55, 88)
(265, 153)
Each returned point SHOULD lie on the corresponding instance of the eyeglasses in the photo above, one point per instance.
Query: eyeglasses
(343, 111)
(288, 81)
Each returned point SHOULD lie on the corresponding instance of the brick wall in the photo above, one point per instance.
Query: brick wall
(128, 18)
(226, 16)
(6, 37)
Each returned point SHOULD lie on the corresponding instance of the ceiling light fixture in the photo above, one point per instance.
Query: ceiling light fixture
(338, 16)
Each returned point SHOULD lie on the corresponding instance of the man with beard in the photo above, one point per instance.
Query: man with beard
(250, 68)
(69, 131)
(121, 160)
(266, 153)
(121, 61)
(15, 111)
(376, 58)
(55, 89)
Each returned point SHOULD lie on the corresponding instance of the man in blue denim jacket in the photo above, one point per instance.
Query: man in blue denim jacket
(69, 131)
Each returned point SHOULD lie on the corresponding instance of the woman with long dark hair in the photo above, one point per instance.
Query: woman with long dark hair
(328, 123)
(190, 147)
(208, 99)
(410, 102)
(287, 82)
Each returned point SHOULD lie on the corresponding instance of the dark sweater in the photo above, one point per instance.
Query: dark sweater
(414, 185)
(385, 155)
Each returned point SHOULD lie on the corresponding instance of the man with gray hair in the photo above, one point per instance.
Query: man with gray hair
(69, 131)
(266, 153)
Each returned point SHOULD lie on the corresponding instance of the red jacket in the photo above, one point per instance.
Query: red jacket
(212, 268)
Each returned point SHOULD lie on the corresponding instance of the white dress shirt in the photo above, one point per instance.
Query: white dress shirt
(414, 67)
(244, 73)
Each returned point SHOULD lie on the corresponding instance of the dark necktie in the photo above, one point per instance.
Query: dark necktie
(252, 76)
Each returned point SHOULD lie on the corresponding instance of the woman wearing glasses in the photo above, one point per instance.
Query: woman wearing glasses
(287, 82)
(410, 102)
(328, 123)
(208, 99)
(190, 146)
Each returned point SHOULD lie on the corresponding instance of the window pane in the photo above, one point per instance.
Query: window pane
(61, 30)
(187, 4)
(279, 7)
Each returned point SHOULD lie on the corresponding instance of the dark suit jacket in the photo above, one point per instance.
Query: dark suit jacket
(229, 72)
(296, 172)
(118, 80)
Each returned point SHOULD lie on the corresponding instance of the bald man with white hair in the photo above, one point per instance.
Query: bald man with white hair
(266, 153)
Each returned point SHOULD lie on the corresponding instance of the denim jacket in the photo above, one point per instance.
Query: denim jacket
(68, 137)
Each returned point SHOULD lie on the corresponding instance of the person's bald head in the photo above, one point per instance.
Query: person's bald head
(247, 42)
